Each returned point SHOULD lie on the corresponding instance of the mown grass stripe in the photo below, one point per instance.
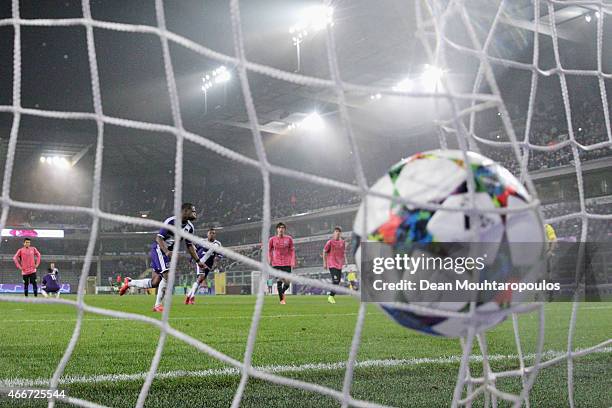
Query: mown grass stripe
(454, 359)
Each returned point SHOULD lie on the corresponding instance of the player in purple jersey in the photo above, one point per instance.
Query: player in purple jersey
(50, 282)
(161, 252)
(207, 256)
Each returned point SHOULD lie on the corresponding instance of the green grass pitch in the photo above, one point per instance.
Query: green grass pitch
(305, 331)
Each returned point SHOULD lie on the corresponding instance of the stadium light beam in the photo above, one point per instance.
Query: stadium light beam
(312, 19)
(318, 17)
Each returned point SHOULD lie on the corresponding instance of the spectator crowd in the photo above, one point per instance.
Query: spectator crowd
(241, 202)
(549, 127)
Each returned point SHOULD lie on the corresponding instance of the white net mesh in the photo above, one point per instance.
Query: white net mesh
(433, 19)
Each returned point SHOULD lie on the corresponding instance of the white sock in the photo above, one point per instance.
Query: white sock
(161, 291)
(196, 286)
(194, 289)
(57, 295)
(42, 291)
(140, 283)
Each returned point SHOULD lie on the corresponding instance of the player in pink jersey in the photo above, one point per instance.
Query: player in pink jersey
(27, 260)
(281, 255)
(334, 258)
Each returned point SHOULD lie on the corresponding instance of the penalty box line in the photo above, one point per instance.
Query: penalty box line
(24, 382)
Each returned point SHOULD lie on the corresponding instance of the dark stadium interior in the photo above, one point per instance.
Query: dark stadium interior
(376, 46)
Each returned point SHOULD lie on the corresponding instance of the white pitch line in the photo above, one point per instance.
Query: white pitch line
(24, 382)
(594, 307)
(51, 319)
(226, 318)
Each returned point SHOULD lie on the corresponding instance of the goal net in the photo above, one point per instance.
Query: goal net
(448, 31)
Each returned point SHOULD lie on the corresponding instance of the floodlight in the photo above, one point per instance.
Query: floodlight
(431, 76)
(403, 85)
(312, 122)
(315, 18)
(223, 76)
(217, 76)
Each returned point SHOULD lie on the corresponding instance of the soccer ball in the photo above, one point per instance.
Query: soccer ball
(440, 177)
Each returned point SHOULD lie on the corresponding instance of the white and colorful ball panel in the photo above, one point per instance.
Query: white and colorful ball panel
(524, 227)
(429, 180)
(378, 208)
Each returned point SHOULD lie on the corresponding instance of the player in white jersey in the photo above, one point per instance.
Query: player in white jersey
(207, 256)
(161, 252)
